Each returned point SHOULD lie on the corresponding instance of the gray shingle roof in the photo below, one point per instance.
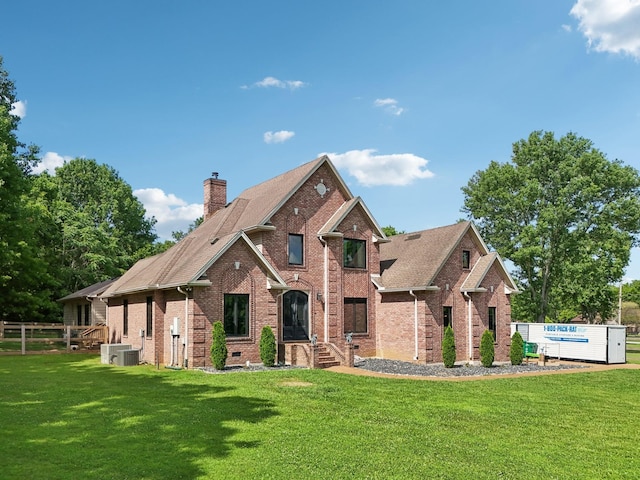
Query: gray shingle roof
(412, 260)
(91, 291)
(183, 263)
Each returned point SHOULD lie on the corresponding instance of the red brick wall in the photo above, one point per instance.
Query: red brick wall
(396, 326)
(209, 307)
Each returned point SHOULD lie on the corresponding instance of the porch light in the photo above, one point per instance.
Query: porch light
(319, 296)
(237, 265)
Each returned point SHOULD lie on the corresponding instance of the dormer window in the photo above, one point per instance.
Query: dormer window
(466, 259)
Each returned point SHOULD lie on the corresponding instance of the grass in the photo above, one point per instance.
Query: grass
(68, 416)
(633, 349)
(16, 346)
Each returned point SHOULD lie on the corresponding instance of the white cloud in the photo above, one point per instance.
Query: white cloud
(172, 213)
(390, 105)
(278, 137)
(272, 82)
(610, 25)
(567, 28)
(49, 162)
(19, 109)
(369, 169)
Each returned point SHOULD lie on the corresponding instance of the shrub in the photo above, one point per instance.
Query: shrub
(487, 352)
(516, 352)
(267, 347)
(218, 346)
(449, 348)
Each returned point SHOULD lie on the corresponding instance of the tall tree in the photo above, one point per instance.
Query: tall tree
(566, 217)
(23, 278)
(101, 228)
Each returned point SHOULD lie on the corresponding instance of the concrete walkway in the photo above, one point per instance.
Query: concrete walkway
(581, 368)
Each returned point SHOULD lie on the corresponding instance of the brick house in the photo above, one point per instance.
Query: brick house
(439, 277)
(300, 254)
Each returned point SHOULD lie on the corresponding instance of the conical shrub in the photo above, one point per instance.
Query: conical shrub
(449, 348)
(267, 346)
(487, 350)
(516, 352)
(218, 346)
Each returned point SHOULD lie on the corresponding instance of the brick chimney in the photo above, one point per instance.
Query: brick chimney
(215, 195)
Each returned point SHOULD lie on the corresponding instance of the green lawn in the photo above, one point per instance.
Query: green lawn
(69, 417)
(633, 349)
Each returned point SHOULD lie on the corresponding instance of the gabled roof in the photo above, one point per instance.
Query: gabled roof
(330, 228)
(262, 201)
(479, 271)
(185, 263)
(92, 291)
(412, 261)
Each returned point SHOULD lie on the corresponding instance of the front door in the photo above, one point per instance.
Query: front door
(295, 313)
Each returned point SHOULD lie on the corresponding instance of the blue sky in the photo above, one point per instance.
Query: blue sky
(409, 98)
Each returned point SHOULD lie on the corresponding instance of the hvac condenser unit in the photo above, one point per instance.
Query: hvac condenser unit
(108, 351)
(127, 358)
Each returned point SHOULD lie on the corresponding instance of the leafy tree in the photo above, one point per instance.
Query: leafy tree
(487, 350)
(267, 346)
(99, 227)
(179, 235)
(448, 348)
(218, 346)
(516, 351)
(24, 282)
(566, 217)
(390, 231)
(630, 291)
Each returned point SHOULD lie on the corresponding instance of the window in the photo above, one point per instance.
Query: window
(125, 317)
(354, 253)
(446, 317)
(236, 314)
(466, 259)
(355, 315)
(149, 316)
(295, 249)
(79, 315)
(87, 314)
(492, 321)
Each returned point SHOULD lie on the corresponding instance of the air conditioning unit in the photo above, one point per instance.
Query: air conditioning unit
(127, 358)
(108, 351)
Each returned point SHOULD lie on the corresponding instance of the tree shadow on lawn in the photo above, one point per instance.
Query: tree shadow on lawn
(110, 422)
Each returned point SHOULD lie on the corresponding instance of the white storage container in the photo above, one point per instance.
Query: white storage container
(597, 343)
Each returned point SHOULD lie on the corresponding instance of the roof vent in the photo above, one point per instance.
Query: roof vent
(414, 236)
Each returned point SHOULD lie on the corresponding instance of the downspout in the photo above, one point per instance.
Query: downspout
(415, 322)
(325, 275)
(186, 327)
(106, 315)
(470, 324)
